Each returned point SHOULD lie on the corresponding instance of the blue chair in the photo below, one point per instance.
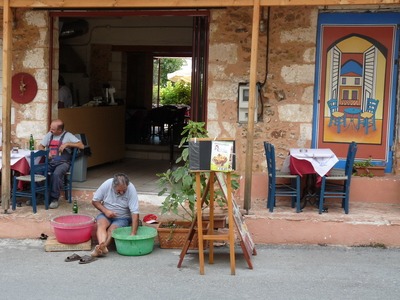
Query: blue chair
(367, 117)
(280, 189)
(67, 184)
(37, 179)
(336, 185)
(337, 118)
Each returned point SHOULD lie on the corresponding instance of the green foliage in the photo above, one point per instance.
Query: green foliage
(176, 93)
(365, 168)
(180, 183)
(363, 163)
(167, 65)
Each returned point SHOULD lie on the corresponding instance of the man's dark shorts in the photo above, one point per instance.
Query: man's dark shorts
(119, 222)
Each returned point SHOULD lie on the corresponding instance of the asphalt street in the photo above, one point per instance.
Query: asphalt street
(280, 272)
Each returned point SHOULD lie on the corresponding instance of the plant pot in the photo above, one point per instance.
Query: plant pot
(175, 237)
(219, 220)
(370, 171)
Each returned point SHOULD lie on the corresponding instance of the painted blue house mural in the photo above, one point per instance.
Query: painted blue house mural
(356, 81)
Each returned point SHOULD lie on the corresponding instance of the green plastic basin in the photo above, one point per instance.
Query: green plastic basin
(140, 244)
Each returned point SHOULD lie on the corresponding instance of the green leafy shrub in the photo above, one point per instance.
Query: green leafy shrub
(176, 93)
(180, 184)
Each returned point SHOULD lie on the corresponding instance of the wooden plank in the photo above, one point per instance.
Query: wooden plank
(230, 223)
(190, 236)
(251, 109)
(6, 106)
(247, 242)
(200, 223)
(216, 237)
(52, 4)
(52, 245)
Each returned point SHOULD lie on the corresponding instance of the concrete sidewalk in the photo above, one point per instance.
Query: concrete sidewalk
(24, 224)
(366, 224)
(280, 272)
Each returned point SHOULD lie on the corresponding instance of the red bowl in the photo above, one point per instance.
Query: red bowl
(72, 229)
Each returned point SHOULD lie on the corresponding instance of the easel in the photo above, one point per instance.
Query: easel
(246, 242)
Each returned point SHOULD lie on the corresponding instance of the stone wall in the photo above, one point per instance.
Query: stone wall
(286, 114)
(288, 93)
(30, 54)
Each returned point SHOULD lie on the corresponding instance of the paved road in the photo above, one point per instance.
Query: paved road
(280, 272)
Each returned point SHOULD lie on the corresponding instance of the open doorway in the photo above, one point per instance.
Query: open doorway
(115, 51)
(149, 123)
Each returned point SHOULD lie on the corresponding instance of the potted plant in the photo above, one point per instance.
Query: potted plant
(179, 186)
(178, 183)
(365, 168)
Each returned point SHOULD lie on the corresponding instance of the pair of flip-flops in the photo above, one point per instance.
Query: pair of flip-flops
(82, 259)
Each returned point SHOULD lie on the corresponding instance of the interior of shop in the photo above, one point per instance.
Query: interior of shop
(107, 62)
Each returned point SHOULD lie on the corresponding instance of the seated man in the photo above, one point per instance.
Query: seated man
(118, 203)
(60, 143)
(64, 94)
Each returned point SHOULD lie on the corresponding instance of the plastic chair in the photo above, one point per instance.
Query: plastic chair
(67, 184)
(337, 184)
(337, 118)
(278, 189)
(37, 179)
(367, 118)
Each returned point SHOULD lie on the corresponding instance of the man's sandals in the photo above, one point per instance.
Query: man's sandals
(82, 260)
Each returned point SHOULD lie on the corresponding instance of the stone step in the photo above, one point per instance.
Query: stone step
(367, 224)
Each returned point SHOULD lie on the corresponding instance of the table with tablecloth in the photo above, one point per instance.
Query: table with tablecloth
(19, 162)
(309, 161)
(314, 163)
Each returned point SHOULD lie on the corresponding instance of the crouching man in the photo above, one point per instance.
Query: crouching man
(118, 203)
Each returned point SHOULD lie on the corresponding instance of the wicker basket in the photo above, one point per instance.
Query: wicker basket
(175, 238)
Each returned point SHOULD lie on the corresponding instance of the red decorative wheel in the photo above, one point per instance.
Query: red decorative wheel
(24, 88)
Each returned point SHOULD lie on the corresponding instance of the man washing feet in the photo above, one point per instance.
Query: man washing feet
(118, 203)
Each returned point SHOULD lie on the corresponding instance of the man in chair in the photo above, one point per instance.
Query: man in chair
(60, 143)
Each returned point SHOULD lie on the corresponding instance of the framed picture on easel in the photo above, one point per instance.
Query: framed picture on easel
(207, 154)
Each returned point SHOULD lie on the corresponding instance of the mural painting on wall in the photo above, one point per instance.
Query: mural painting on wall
(356, 76)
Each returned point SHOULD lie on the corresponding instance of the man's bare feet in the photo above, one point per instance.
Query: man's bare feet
(103, 248)
(97, 251)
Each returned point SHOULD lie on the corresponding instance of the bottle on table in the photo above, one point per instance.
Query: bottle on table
(75, 207)
(31, 143)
